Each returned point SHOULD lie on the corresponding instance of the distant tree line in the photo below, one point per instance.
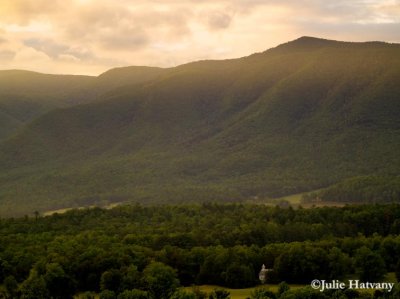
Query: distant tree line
(364, 189)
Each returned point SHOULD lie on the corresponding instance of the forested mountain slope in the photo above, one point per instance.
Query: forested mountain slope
(301, 116)
(26, 95)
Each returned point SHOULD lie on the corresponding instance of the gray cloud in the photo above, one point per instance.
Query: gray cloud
(119, 28)
(353, 10)
(127, 39)
(6, 55)
(47, 46)
(54, 49)
(219, 20)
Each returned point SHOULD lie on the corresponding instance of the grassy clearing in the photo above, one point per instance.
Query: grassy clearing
(61, 211)
(295, 200)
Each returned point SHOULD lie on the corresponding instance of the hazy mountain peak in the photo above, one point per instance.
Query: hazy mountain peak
(312, 39)
(121, 71)
(308, 43)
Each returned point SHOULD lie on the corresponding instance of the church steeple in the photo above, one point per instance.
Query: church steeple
(263, 274)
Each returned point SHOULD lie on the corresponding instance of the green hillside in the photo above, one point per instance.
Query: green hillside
(299, 117)
(26, 95)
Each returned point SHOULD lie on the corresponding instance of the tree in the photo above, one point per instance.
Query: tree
(239, 276)
(37, 214)
(299, 263)
(133, 294)
(351, 293)
(88, 295)
(59, 284)
(5, 269)
(262, 293)
(198, 293)
(220, 294)
(130, 279)
(305, 293)
(395, 293)
(107, 294)
(111, 280)
(182, 294)
(282, 288)
(338, 263)
(161, 280)
(34, 287)
(370, 264)
(397, 270)
(11, 286)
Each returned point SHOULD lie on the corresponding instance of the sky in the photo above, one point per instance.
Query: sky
(92, 36)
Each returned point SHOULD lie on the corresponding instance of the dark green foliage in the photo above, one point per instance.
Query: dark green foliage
(182, 294)
(198, 294)
(307, 293)
(134, 294)
(302, 263)
(398, 270)
(239, 276)
(299, 117)
(282, 288)
(107, 294)
(395, 293)
(111, 280)
(10, 286)
(34, 287)
(88, 295)
(59, 284)
(5, 269)
(351, 294)
(219, 294)
(262, 293)
(339, 263)
(371, 265)
(130, 278)
(160, 280)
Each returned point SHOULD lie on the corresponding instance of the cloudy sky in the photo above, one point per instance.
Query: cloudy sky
(91, 36)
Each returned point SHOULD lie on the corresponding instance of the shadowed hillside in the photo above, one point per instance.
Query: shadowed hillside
(26, 95)
(301, 116)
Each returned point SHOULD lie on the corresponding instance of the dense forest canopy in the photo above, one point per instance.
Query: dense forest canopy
(152, 250)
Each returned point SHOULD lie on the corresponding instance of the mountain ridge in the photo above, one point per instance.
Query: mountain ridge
(283, 121)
